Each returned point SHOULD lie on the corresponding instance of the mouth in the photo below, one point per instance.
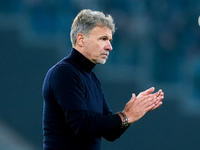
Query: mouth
(105, 54)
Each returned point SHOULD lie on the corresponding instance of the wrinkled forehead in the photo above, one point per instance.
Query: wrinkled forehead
(101, 31)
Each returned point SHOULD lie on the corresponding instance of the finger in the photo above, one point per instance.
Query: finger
(162, 94)
(158, 93)
(148, 91)
(157, 106)
(151, 107)
(160, 98)
(148, 102)
(143, 99)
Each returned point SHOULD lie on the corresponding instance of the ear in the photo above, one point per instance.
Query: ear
(80, 39)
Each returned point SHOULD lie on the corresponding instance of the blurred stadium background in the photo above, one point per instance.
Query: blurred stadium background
(157, 43)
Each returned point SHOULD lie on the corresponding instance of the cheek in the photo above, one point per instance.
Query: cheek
(96, 47)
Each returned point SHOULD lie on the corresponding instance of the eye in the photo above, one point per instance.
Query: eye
(104, 38)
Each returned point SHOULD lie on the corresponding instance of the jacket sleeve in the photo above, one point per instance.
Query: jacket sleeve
(115, 133)
(70, 95)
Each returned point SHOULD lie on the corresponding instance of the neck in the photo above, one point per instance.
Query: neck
(81, 60)
(83, 52)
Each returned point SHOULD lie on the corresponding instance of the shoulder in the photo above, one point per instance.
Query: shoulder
(65, 70)
(63, 76)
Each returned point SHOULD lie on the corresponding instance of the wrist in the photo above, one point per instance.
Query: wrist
(125, 119)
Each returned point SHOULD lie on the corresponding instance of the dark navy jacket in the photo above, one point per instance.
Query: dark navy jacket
(75, 112)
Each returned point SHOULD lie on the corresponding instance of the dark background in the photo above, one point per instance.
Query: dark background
(157, 43)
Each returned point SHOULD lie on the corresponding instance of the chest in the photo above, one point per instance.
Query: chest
(93, 93)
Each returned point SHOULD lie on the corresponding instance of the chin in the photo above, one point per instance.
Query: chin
(101, 61)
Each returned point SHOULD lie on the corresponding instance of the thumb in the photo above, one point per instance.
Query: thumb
(129, 103)
(133, 97)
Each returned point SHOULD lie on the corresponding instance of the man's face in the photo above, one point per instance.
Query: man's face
(98, 44)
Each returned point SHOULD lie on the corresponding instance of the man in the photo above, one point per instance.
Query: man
(76, 115)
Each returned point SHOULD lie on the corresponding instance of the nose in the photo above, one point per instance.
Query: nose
(108, 46)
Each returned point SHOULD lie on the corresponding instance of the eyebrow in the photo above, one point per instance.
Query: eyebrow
(105, 36)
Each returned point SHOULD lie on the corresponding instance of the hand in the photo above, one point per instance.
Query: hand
(160, 97)
(146, 101)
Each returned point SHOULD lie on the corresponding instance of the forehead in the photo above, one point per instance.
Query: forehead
(101, 31)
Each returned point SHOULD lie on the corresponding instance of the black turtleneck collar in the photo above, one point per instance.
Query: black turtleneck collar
(80, 60)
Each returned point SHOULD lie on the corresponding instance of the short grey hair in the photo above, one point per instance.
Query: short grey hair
(86, 20)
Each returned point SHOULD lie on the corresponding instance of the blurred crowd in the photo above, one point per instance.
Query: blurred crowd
(157, 43)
